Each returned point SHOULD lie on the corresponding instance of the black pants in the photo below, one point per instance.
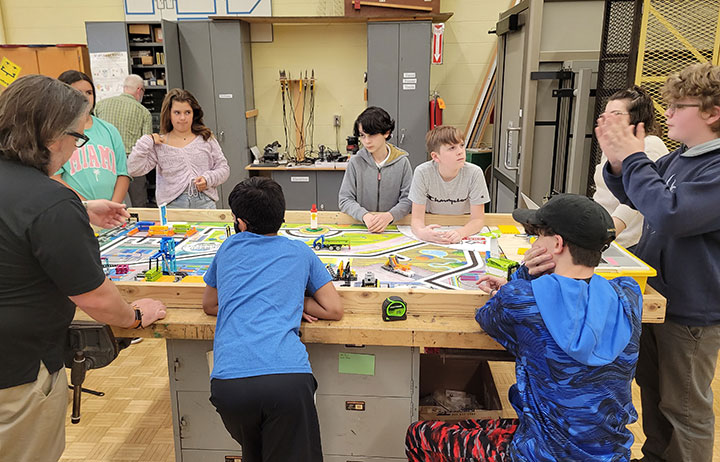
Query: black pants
(273, 417)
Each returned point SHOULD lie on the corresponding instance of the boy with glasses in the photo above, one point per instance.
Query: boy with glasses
(677, 195)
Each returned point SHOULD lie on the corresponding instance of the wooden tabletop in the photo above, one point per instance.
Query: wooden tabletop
(436, 318)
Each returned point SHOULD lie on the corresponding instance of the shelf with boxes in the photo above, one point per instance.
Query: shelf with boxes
(147, 55)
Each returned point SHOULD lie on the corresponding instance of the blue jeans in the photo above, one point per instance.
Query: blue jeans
(184, 201)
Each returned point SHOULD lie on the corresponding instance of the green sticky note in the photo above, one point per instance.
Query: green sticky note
(353, 363)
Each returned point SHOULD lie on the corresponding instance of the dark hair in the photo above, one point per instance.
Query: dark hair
(580, 255)
(34, 111)
(70, 77)
(640, 107)
(260, 203)
(183, 96)
(374, 120)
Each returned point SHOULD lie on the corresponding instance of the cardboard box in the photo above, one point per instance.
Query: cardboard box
(158, 33)
(143, 29)
(147, 60)
(458, 372)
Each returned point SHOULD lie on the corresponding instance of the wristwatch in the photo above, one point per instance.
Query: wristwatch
(138, 318)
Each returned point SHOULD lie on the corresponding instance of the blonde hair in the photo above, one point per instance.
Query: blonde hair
(699, 81)
(442, 135)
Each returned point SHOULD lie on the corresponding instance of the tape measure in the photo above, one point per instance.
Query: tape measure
(394, 309)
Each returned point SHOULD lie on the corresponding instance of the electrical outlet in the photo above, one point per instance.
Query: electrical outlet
(336, 121)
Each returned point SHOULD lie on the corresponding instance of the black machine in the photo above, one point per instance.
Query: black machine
(353, 145)
(328, 155)
(90, 345)
(271, 153)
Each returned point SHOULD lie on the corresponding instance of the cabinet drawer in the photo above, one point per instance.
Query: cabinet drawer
(195, 455)
(187, 364)
(393, 374)
(200, 425)
(375, 427)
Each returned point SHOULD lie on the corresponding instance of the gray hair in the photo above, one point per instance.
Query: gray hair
(133, 82)
(34, 111)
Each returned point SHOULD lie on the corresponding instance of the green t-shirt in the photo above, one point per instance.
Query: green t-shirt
(93, 169)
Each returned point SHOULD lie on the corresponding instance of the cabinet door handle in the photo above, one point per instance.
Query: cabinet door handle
(221, 135)
(508, 146)
(402, 136)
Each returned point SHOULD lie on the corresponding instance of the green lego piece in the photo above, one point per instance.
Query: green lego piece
(153, 274)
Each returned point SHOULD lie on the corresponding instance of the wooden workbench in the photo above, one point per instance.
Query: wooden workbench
(389, 396)
(436, 318)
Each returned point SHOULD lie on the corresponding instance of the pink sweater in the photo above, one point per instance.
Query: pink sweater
(177, 167)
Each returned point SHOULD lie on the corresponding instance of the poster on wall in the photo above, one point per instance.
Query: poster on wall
(108, 72)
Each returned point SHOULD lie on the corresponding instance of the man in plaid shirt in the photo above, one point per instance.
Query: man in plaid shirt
(132, 120)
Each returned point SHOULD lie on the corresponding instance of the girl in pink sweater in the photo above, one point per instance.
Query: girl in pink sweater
(189, 161)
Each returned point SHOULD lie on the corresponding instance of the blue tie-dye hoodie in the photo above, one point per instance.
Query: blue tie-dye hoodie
(576, 347)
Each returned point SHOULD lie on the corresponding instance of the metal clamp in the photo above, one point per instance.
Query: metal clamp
(508, 146)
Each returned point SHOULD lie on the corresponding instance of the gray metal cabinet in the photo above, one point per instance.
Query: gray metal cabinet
(365, 416)
(399, 80)
(299, 187)
(328, 187)
(304, 187)
(217, 68)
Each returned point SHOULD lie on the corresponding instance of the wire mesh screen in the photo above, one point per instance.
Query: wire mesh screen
(618, 57)
(675, 34)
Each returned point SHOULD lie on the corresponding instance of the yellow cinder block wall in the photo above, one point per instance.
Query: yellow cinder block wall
(338, 53)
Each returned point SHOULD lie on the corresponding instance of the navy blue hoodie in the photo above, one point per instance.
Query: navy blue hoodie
(679, 196)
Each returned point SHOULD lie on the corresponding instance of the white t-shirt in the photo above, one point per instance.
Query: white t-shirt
(452, 197)
(654, 148)
(384, 161)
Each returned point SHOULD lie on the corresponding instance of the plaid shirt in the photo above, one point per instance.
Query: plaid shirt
(131, 118)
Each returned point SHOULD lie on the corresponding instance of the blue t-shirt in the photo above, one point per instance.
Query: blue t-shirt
(261, 283)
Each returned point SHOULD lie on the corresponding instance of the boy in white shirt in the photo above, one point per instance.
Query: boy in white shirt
(447, 185)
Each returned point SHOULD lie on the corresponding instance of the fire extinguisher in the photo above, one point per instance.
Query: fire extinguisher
(437, 105)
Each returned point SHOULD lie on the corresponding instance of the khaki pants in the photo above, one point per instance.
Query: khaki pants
(32, 419)
(675, 370)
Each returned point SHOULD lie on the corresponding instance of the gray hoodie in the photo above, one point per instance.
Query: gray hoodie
(367, 188)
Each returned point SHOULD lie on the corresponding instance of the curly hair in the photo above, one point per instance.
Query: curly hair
(698, 81)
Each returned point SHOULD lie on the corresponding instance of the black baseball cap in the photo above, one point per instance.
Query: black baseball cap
(576, 218)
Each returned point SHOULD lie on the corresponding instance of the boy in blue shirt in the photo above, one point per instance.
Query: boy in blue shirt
(261, 383)
(575, 339)
(681, 239)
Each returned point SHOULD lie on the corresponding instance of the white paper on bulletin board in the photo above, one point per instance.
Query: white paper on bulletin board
(108, 72)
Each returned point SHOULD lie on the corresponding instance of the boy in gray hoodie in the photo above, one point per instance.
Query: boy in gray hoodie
(377, 180)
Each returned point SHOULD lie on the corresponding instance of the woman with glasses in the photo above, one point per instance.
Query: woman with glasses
(635, 106)
(97, 169)
(50, 264)
(189, 161)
